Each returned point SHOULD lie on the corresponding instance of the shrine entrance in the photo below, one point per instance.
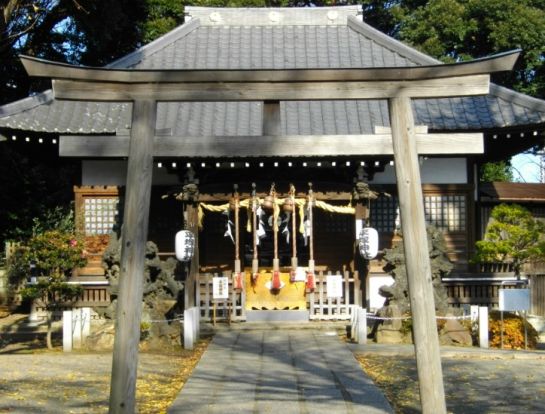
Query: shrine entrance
(398, 85)
(290, 253)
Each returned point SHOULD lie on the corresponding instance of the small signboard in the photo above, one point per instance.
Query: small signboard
(514, 299)
(220, 288)
(334, 286)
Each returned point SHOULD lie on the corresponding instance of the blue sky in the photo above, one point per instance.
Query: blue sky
(526, 168)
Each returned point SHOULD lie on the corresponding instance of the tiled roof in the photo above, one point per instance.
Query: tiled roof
(516, 192)
(272, 47)
(281, 39)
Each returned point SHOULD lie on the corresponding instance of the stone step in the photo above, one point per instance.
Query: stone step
(277, 316)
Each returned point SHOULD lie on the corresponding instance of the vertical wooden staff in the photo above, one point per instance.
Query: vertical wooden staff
(276, 261)
(255, 260)
(311, 280)
(293, 234)
(237, 280)
(275, 282)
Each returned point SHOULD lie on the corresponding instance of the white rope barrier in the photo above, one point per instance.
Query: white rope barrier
(404, 318)
(181, 318)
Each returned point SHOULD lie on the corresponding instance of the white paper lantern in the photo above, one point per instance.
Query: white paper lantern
(368, 243)
(185, 245)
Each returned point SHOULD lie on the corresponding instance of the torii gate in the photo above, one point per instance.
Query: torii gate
(144, 88)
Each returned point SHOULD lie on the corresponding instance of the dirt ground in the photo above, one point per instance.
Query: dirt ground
(36, 380)
(475, 385)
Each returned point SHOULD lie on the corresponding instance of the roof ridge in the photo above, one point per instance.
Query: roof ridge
(273, 16)
(154, 46)
(520, 98)
(26, 103)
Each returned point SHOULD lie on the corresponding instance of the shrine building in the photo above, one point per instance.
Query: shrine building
(300, 178)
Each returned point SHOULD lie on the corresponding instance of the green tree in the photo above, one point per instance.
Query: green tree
(454, 30)
(496, 171)
(91, 32)
(513, 236)
(53, 255)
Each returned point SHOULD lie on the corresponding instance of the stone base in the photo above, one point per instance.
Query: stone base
(385, 336)
(277, 316)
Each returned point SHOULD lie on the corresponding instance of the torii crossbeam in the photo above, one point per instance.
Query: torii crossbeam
(145, 87)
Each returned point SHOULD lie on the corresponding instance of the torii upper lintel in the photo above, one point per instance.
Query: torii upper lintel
(99, 84)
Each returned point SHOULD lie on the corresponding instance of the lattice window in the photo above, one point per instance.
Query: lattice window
(447, 212)
(383, 214)
(100, 214)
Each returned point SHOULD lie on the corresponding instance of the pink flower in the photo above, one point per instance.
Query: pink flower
(73, 243)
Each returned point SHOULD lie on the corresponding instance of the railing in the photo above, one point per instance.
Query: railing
(322, 307)
(92, 296)
(231, 309)
(479, 291)
(319, 305)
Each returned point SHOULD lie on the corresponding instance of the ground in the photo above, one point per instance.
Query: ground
(33, 379)
(474, 384)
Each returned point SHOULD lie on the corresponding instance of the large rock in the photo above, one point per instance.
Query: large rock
(454, 333)
(389, 331)
(102, 339)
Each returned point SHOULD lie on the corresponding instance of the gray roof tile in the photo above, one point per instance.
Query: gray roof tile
(299, 39)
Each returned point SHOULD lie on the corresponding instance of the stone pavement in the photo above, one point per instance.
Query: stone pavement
(283, 371)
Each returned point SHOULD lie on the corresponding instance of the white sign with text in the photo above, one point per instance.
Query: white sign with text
(220, 288)
(334, 286)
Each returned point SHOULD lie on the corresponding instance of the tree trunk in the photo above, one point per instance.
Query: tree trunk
(49, 330)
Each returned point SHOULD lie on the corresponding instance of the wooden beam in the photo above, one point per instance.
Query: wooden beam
(270, 146)
(134, 238)
(266, 91)
(415, 244)
(44, 68)
(271, 118)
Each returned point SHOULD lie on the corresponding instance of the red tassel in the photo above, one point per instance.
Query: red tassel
(237, 281)
(310, 285)
(276, 283)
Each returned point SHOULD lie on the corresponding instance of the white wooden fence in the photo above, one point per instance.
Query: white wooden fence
(231, 309)
(319, 305)
(322, 307)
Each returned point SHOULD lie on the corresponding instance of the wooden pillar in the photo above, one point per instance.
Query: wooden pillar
(415, 242)
(361, 266)
(134, 238)
(193, 226)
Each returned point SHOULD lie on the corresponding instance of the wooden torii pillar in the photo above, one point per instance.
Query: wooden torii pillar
(145, 87)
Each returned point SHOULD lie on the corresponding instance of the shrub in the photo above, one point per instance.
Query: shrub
(513, 331)
(54, 254)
